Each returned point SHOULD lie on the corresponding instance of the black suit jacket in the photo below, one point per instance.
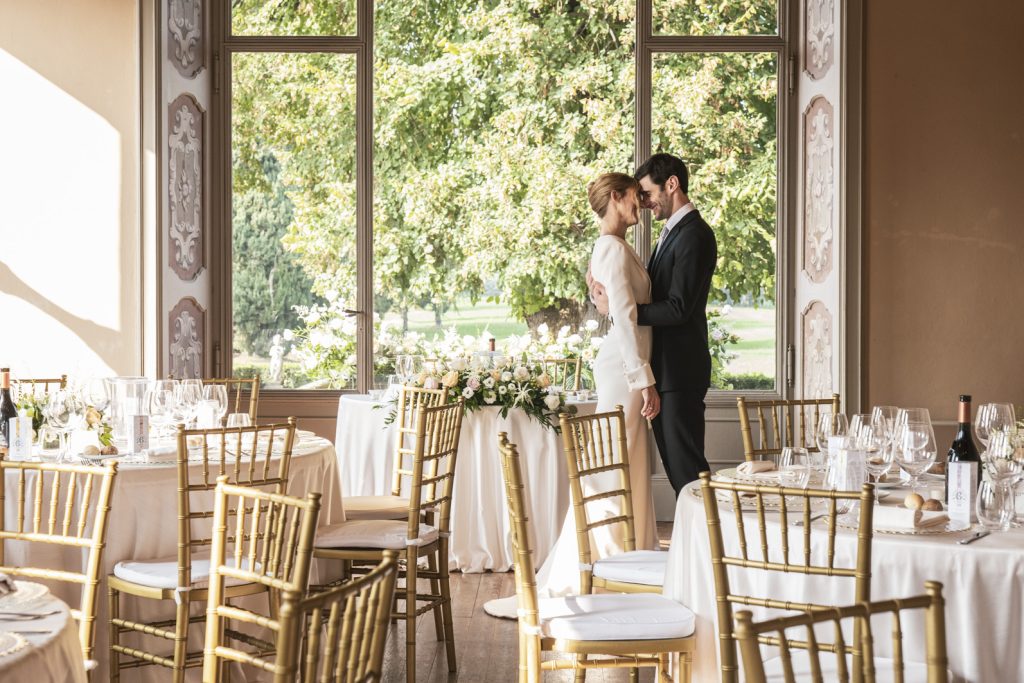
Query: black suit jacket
(680, 280)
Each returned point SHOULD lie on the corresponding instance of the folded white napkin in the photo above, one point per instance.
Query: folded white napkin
(755, 467)
(162, 454)
(889, 517)
(7, 584)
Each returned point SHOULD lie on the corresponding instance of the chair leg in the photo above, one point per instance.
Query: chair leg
(410, 616)
(435, 589)
(523, 667)
(180, 639)
(446, 608)
(114, 612)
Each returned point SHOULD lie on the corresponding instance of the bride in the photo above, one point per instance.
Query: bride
(622, 374)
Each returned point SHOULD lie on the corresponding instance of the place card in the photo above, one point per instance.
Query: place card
(138, 433)
(850, 469)
(207, 415)
(963, 490)
(20, 435)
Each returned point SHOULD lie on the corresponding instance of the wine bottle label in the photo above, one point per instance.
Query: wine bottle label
(138, 433)
(20, 431)
(963, 489)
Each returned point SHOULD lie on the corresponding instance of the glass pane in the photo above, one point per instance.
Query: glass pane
(294, 218)
(293, 18)
(715, 17)
(484, 148)
(718, 112)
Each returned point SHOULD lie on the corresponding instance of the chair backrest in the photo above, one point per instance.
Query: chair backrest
(345, 628)
(564, 372)
(752, 635)
(433, 470)
(411, 400)
(258, 537)
(258, 457)
(767, 558)
(595, 446)
(75, 516)
(37, 386)
(781, 423)
(519, 521)
(236, 386)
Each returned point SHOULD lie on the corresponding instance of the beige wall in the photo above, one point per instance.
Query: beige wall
(69, 187)
(943, 219)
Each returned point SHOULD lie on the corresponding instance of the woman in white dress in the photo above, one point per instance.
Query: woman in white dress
(622, 374)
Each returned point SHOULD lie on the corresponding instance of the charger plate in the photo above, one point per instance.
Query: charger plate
(28, 593)
(11, 643)
(951, 527)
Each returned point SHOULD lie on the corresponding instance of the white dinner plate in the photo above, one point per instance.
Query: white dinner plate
(951, 527)
(28, 594)
(11, 643)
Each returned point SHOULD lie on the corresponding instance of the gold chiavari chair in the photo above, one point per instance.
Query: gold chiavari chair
(355, 617)
(237, 387)
(629, 630)
(75, 516)
(47, 384)
(258, 538)
(807, 665)
(257, 457)
(423, 534)
(781, 423)
(596, 451)
(564, 372)
(396, 506)
(790, 502)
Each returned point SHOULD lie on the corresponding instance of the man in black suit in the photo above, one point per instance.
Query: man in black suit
(681, 268)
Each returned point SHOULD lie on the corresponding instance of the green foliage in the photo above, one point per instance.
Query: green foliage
(746, 381)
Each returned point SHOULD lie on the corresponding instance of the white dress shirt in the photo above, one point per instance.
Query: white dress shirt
(672, 222)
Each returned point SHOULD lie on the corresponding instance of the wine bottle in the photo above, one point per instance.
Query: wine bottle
(963, 449)
(7, 409)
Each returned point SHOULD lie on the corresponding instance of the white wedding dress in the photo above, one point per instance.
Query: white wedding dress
(621, 370)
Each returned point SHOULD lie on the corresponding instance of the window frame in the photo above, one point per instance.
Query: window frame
(361, 45)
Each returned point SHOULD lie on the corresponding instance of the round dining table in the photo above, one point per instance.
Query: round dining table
(983, 585)
(143, 525)
(480, 533)
(39, 640)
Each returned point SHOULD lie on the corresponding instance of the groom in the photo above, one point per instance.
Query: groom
(680, 269)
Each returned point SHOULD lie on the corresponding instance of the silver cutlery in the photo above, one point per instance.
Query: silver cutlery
(25, 616)
(800, 522)
(974, 537)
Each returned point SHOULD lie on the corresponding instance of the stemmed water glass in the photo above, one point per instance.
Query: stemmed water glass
(64, 412)
(915, 449)
(991, 418)
(187, 398)
(829, 427)
(217, 394)
(160, 405)
(403, 368)
(875, 442)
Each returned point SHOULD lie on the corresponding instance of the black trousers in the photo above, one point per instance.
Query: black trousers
(679, 432)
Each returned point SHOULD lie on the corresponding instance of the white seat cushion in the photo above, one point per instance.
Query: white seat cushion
(163, 573)
(644, 567)
(615, 616)
(376, 507)
(372, 533)
(912, 673)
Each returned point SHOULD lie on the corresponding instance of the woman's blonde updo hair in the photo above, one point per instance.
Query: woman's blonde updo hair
(599, 192)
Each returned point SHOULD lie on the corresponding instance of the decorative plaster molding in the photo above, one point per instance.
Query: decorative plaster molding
(185, 187)
(185, 36)
(819, 189)
(820, 30)
(817, 350)
(187, 326)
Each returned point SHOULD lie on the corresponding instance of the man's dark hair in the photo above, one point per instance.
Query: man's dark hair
(661, 167)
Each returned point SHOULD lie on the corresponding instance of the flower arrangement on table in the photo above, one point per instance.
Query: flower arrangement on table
(511, 384)
(84, 417)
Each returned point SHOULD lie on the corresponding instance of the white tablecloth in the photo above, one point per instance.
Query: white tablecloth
(54, 656)
(983, 584)
(481, 537)
(143, 525)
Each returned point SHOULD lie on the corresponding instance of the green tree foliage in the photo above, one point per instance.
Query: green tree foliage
(268, 282)
(490, 119)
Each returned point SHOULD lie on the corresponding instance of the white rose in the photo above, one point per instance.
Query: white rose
(521, 374)
(450, 379)
(592, 325)
(489, 382)
(468, 340)
(717, 334)
(502, 389)
(430, 383)
(467, 393)
(506, 376)
(563, 331)
(289, 335)
(335, 323)
(489, 397)
(552, 401)
(458, 364)
(574, 339)
(542, 329)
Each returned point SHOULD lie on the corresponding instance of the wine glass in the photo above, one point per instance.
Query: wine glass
(1000, 459)
(187, 398)
(830, 427)
(403, 367)
(217, 393)
(994, 506)
(236, 420)
(160, 404)
(65, 413)
(794, 467)
(95, 392)
(858, 423)
(915, 449)
(993, 417)
(875, 442)
(905, 415)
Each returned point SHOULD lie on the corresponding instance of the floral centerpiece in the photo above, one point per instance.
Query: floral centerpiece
(510, 384)
(87, 417)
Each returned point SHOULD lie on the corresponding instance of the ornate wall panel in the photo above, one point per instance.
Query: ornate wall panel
(185, 186)
(187, 325)
(185, 36)
(817, 346)
(819, 193)
(819, 44)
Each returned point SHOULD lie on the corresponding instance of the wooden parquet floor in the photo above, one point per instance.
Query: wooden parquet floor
(485, 647)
